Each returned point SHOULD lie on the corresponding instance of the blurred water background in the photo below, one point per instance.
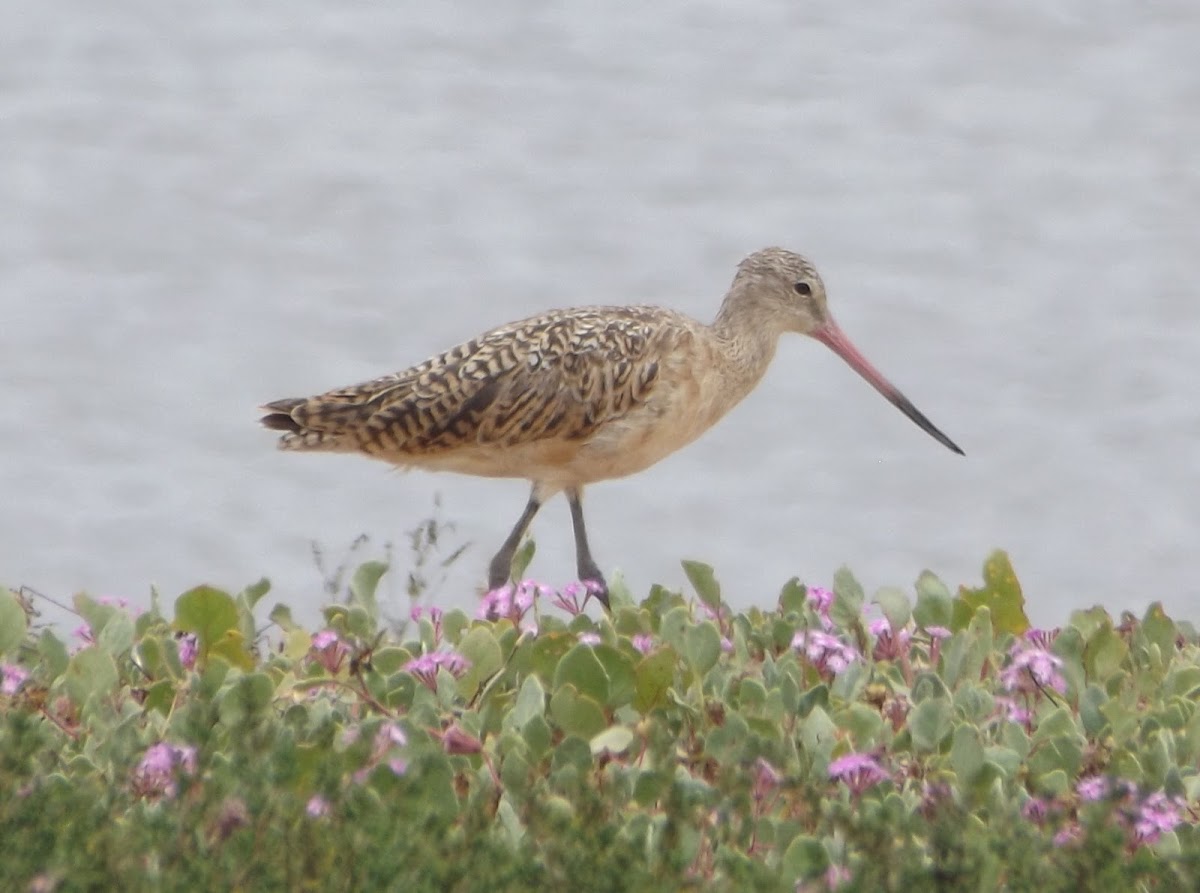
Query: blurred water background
(203, 206)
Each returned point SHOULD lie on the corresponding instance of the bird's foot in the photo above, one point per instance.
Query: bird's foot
(594, 581)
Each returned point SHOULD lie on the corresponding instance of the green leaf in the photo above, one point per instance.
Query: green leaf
(621, 672)
(702, 644)
(255, 591)
(614, 740)
(934, 604)
(53, 653)
(480, 647)
(929, 723)
(655, 675)
(364, 584)
(576, 713)
(793, 598)
(547, 650)
(818, 735)
(531, 702)
(117, 636)
(281, 616)
(895, 605)
(804, 859)
(701, 577)
(846, 610)
(581, 668)
(1159, 629)
(966, 755)
(1105, 653)
(1001, 593)
(90, 672)
(207, 612)
(13, 622)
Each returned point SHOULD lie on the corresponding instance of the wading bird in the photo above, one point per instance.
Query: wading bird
(577, 396)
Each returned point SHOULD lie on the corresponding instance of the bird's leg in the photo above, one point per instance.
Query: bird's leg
(500, 570)
(585, 564)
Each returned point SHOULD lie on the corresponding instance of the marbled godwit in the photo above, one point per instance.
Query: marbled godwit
(577, 396)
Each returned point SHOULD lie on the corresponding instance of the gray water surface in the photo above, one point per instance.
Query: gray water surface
(204, 206)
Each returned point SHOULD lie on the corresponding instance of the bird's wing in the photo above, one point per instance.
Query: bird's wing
(558, 376)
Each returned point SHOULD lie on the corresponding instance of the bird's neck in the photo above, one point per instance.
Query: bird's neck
(746, 340)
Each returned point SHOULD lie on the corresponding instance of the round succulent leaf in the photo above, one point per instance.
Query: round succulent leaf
(701, 576)
(622, 674)
(804, 859)
(581, 668)
(895, 606)
(91, 671)
(530, 702)
(935, 605)
(655, 676)
(702, 645)
(480, 647)
(929, 723)
(614, 740)
(1000, 593)
(576, 713)
(13, 622)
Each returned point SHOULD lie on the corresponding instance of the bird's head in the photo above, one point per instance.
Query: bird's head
(785, 288)
(781, 289)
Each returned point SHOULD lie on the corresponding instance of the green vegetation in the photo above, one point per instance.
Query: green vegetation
(919, 741)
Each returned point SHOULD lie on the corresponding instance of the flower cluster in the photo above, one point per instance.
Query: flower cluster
(388, 737)
(573, 597)
(829, 654)
(157, 774)
(858, 771)
(329, 650)
(1031, 666)
(14, 677)
(820, 600)
(426, 666)
(889, 645)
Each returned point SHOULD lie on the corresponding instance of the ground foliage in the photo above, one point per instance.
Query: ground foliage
(919, 740)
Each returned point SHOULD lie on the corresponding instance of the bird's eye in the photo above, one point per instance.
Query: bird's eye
(803, 288)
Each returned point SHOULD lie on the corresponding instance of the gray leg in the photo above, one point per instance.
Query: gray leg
(500, 570)
(586, 565)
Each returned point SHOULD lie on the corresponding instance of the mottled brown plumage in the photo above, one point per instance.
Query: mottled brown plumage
(576, 396)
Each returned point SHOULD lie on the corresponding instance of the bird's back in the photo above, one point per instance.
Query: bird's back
(524, 393)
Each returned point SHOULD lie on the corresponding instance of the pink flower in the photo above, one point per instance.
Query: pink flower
(160, 767)
(569, 598)
(888, 646)
(938, 632)
(456, 741)
(766, 778)
(1068, 834)
(858, 770)
(426, 666)
(1032, 667)
(14, 678)
(1092, 788)
(189, 648)
(820, 600)
(329, 650)
(317, 807)
(1035, 809)
(835, 876)
(1012, 711)
(1157, 814)
(643, 642)
(827, 653)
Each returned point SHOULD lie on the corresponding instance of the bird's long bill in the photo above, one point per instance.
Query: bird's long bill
(835, 339)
